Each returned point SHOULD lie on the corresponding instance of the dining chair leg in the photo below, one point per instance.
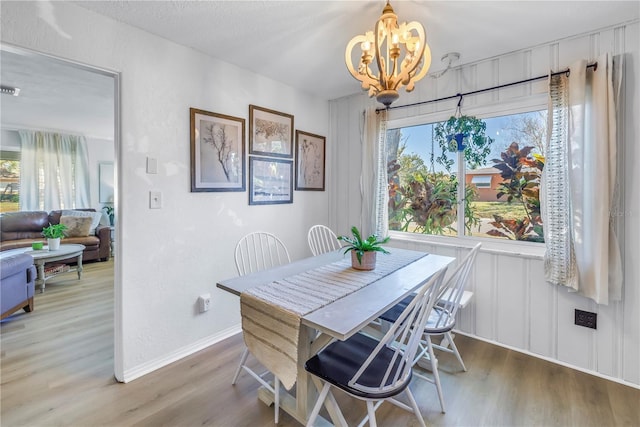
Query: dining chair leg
(416, 409)
(243, 360)
(434, 369)
(371, 411)
(318, 405)
(276, 394)
(455, 350)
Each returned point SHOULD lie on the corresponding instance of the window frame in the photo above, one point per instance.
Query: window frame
(483, 181)
(530, 103)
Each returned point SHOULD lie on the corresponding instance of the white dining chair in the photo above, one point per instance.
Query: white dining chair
(322, 239)
(376, 370)
(441, 321)
(255, 252)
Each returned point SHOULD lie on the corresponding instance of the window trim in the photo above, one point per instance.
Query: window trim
(514, 248)
(486, 111)
(481, 181)
(516, 106)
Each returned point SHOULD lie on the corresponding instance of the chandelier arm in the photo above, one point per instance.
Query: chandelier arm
(366, 79)
(373, 78)
(425, 67)
(405, 72)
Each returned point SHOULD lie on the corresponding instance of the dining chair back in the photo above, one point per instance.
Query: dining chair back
(449, 301)
(377, 370)
(256, 252)
(322, 239)
(441, 322)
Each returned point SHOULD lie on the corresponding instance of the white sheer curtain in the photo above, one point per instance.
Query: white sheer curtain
(54, 171)
(582, 248)
(373, 180)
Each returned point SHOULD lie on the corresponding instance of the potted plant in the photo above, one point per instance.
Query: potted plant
(53, 233)
(363, 252)
(110, 213)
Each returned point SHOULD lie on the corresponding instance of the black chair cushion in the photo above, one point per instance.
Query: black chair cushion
(339, 362)
(439, 321)
(394, 312)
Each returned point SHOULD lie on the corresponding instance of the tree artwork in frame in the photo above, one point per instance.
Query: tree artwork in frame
(270, 132)
(217, 152)
(270, 181)
(310, 155)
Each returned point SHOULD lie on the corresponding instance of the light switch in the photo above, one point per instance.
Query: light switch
(152, 165)
(155, 199)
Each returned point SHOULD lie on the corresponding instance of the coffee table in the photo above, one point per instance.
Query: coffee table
(44, 256)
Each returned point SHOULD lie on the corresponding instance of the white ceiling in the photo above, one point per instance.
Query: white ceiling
(302, 43)
(55, 95)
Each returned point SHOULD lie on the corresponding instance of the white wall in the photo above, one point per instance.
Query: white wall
(99, 151)
(513, 305)
(9, 140)
(167, 257)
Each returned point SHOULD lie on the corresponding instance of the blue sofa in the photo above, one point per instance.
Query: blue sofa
(17, 284)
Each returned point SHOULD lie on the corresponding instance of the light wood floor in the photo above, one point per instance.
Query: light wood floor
(57, 370)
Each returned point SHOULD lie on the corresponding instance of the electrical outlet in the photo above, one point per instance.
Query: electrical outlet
(204, 302)
(586, 319)
(155, 199)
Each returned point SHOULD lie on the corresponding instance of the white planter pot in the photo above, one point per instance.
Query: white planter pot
(54, 244)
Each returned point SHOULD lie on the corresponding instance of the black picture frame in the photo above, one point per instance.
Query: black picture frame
(270, 181)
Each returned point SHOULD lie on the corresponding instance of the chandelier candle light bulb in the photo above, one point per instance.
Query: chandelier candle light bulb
(386, 45)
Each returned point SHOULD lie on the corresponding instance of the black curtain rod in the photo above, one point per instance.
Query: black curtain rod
(474, 92)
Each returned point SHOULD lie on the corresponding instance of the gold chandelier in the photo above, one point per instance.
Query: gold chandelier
(385, 46)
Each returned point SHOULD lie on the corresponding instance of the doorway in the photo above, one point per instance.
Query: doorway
(61, 96)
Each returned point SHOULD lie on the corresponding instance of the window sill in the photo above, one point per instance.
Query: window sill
(509, 248)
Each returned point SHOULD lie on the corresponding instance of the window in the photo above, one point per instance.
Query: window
(9, 181)
(481, 181)
(499, 174)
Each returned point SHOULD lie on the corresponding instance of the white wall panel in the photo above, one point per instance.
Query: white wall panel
(511, 305)
(485, 296)
(573, 49)
(542, 309)
(516, 61)
(628, 41)
(575, 343)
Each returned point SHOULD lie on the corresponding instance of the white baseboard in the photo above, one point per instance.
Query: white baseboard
(152, 365)
(549, 359)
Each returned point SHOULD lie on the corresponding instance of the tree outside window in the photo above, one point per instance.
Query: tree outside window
(501, 178)
(9, 181)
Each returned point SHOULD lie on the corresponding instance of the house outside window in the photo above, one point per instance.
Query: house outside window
(500, 191)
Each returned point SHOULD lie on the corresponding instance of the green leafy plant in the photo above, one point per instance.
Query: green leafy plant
(360, 246)
(110, 213)
(424, 202)
(54, 231)
(521, 171)
(477, 145)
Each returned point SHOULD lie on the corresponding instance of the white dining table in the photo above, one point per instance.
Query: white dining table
(338, 320)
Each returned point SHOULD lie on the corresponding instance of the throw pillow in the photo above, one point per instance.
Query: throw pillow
(76, 226)
(95, 218)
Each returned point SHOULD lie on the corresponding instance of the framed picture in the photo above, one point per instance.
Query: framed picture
(217, 152)
(310, 154)
(270, 132)
(270, 181)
